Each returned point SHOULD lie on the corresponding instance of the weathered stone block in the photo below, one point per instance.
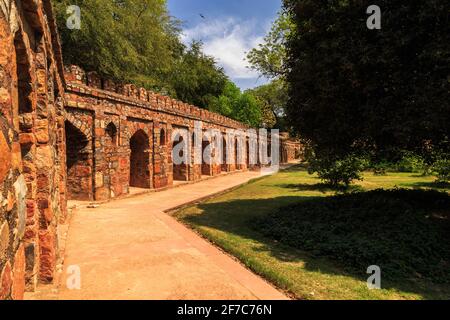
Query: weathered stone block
(18, 286)
(42, 133)
(99, 180)
(44, 157)
(5, 281)
(48, 214)
(11, 201)
(20, 187)
(47, 255)
(16, 158)
(26, 138)
(4, 240)
(5, 156)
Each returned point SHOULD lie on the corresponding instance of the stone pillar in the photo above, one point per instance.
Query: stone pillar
(101, 177)
(224, 146)
(207, 156)
(162, 176)
(195, 169)
(46, 169)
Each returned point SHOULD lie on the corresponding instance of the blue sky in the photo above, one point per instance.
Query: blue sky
(229, 30)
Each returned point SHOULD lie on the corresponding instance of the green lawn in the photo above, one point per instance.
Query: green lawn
(229, 221)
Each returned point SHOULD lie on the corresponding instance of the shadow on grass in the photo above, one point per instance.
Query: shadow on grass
(237, 217)
(429, 185)
(296, 168)
(320, 187)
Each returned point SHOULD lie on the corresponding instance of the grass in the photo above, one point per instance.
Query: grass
(231, 221)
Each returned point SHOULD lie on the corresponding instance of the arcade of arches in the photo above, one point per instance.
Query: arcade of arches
(147, 131)
(67, 134)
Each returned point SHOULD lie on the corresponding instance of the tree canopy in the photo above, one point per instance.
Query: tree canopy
(272, 98)
(196, 78)
(354, 90)
(242, 106)
(269, 59)
(270, 56)
(130, 40)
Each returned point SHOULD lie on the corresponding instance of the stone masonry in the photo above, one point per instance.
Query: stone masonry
(125, 140)
(67, 134)
(32, 145)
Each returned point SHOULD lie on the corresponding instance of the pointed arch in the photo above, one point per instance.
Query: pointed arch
(140, 160)
(79, 164)
(247, 153)
(78, 124)
(206, 155)
(112, 133)
(162, 137)
(180, 154)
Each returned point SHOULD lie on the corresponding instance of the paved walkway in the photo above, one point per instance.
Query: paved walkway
(131, 249)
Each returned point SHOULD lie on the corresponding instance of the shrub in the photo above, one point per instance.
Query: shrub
(411, 162)
(442, 169)
(336, 172)
(405, 232)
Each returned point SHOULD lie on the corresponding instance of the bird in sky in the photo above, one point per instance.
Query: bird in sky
(201, 15)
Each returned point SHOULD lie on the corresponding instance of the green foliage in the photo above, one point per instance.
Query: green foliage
(233, 103)
(354, 90)
(380, 168)
(336, 171)
(442, 169)
(269, 57)
(129, 40)
(196, 78)
(272, 98)
(410, 162)
(399, 230)
(225, 103)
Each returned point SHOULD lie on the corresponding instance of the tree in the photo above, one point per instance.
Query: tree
(270, 56)
(269, 59)
(196, 78)
(272, 98)
(127, 40)
(353, 90)
(247, 110)
(240, 106)
(225, 103)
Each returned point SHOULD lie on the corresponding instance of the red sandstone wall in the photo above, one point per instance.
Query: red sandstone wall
(130, 109)
(94, 104)
(32, 175)
(290, 149)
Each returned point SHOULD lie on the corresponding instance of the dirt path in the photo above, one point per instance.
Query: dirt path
(131, 249)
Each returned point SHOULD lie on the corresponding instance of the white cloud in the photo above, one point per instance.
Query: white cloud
(228, 40)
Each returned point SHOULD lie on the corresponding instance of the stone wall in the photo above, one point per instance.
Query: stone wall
(291, 149)
(141, 124)
(32, 146)
(137, 117)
